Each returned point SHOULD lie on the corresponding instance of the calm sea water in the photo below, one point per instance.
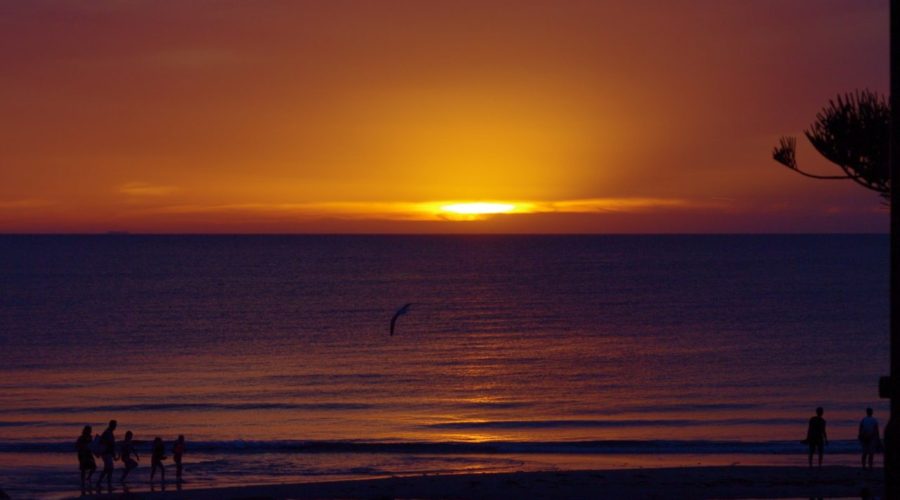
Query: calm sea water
(272, 354)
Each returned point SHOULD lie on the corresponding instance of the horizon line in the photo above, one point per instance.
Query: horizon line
(131, 233)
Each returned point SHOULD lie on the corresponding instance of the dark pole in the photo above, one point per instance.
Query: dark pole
(892, 436)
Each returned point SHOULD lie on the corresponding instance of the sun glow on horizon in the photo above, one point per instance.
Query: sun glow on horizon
(479, 208)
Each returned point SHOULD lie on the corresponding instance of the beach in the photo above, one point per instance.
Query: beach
(677, 482)
(448, 249)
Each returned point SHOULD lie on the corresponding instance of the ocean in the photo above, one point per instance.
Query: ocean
(273, 354)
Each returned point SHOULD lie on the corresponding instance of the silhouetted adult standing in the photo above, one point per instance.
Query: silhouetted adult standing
(177, 453)
(869, 438)
(108, 442)
(86, 463)
(816, 437)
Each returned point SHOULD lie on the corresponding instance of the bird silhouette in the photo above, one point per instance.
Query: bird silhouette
(403, 310)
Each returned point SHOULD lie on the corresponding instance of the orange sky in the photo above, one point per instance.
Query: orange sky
(368, 116)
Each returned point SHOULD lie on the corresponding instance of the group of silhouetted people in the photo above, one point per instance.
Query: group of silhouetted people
(103, 446)
(868, 436)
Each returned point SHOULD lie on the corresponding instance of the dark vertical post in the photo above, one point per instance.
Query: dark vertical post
(892, 436)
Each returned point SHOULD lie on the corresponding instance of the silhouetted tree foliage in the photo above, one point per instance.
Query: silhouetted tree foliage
(853, 132)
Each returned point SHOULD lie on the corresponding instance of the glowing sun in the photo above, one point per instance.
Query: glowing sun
(478, 208)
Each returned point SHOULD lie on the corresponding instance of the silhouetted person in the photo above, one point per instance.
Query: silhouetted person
(108, 454)
(159, 454)
(816, 437)
(869, 438)
(127, 451)
(177, 453)
(86, 463)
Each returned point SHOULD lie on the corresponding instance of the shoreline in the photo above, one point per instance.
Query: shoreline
(674, 482)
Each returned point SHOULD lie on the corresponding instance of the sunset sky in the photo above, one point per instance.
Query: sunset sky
(375, 116)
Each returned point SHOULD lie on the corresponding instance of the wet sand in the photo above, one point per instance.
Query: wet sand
(678, 482)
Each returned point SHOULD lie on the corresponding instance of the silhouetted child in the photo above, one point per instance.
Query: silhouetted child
(816, 437)
(127, 451)
(177, 453)
(156, 459)
(86, 463)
